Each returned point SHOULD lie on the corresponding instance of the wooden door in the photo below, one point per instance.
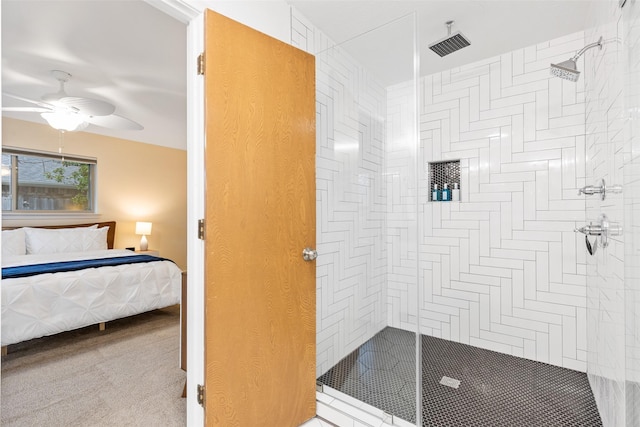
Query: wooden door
(260, 213)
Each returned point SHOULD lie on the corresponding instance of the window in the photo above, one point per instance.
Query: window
(47, 182)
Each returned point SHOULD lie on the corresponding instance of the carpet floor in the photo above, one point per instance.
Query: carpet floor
(127, 375)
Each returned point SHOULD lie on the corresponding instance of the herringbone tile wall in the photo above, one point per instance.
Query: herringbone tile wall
(502, 269)
(351, 199)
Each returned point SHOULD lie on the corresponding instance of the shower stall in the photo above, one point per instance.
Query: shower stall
(431, 308)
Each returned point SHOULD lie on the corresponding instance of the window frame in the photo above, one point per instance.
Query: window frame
(90, 213)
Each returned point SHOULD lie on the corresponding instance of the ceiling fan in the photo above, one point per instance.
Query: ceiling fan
(71, 113)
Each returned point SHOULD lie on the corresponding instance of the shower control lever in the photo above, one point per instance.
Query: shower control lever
(590, 230)
(604, 229)
(591, 189)
(601, 189)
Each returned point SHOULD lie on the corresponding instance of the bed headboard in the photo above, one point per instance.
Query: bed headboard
(111, 234)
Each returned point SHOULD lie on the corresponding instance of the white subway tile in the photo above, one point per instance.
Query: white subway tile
(474, 247)
(569, 252)
(524, 246)
(542, 347)
(555, 261)
(513, 177)
(542, 109)
(542, 191)
(517, 210)
(485, 95)
(532, 156)
(490, 345)
(529, 201)
(525, 166)
(529, 324)
(506, 297)
(481, 279)
(555, 98)
(544, 236)
(555, 345)
(529, 122)
(542, 271)
(518, 289)
(505, 144)
(485, 313)
(501, 263)
(537, 315)
(555, 179)
(490, 271)
(529, 280)
(571, 301)
(484, 165)
(517, 133)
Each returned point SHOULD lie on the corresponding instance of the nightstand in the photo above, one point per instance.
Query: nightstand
(149, 252)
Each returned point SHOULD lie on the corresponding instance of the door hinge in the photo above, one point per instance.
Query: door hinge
(201, 229)
(201, 64)
(201, 395)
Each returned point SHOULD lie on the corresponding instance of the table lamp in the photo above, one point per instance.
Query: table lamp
(143, 228)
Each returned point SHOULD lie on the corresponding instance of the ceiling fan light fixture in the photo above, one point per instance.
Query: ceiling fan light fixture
(65, 121)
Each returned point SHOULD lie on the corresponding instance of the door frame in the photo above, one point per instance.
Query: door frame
(194, 18)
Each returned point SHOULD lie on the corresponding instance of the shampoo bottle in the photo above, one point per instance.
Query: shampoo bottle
(446, 193)
(435, 193)
(455, 193)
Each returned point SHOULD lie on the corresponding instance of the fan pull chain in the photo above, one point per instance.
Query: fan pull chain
(60, 144)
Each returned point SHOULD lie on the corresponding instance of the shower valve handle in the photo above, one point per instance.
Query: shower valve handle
(604, 230)
(602, 189)
(590, 189)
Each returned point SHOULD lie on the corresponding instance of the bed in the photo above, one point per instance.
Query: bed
(60, 278)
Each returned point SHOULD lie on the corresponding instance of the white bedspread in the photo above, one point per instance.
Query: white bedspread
(50, 303)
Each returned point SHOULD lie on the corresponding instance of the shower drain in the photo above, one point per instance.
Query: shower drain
(450, 382)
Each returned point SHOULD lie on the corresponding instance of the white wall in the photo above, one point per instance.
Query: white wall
(271, 17)
(351, 266)
(503, 269)
(613, 305)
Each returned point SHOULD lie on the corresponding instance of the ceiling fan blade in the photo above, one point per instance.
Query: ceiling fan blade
(87, 106)
(49, 107)
(26, 109)
(114, 122)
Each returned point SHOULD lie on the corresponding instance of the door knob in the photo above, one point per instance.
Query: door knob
(309, 254)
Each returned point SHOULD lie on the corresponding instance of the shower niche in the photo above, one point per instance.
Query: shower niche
(441, 175)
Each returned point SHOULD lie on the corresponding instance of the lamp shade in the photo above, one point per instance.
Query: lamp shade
(143, 228)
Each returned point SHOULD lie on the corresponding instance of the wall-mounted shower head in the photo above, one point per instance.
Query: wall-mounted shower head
(567, 69)
(451, 43)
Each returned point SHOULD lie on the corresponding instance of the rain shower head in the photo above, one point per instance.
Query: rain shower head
(451, 43)
(567, 69)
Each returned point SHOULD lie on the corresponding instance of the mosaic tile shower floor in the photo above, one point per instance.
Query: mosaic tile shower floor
(495, 389)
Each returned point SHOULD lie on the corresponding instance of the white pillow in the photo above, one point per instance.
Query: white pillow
(13, 242)
(95, 239)
(51, 241)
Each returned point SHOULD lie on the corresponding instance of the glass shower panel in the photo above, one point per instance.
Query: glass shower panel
(632, 220)
(367, 218)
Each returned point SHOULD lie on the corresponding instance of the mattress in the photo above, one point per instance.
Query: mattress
(51, 303)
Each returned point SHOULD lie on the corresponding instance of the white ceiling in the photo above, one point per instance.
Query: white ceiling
(127, 53)
(132, 55)
(375, 29)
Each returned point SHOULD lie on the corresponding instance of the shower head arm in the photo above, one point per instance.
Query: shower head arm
(586, 48)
